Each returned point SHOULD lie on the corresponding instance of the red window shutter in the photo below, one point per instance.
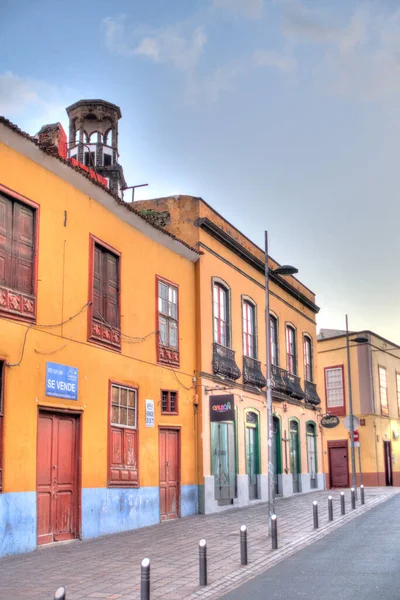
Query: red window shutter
(98, 283)
(123, 466)
(111, 309)
(5, 241)
(23, 248)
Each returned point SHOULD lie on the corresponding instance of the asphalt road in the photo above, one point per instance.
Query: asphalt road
(360, 560)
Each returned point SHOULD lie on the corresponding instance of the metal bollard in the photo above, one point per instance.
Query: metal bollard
(330, 508)
(203, 562)
(274, 532)
(61, 593)
(243, 545)
(353, 498)
(342, 505)
(315, 514)
(145, 579)
(362, 491)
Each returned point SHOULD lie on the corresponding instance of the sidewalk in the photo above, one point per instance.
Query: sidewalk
(109, 567)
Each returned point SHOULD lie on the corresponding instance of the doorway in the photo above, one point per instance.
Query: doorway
(58, 481)
(169, 451)
(252, 453)
(223, 461)
(387, 450)
(312, 454)
(294, 447)
(338, 463)
(276, 453)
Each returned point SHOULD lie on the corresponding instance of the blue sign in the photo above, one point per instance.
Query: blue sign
(61, 381)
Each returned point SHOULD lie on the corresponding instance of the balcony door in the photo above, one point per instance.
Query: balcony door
(294, 445)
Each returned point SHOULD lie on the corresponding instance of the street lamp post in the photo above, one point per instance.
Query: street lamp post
(282, 270)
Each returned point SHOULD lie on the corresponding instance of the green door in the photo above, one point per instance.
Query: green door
(276, 454)
(223, 457)
(295, 455)
(312, 454)
(252, 453)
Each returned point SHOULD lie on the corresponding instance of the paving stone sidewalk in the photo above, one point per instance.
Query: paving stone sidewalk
(109, 567)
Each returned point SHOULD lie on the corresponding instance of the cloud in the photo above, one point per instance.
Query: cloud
(307, 24)
(272, 59)
(253, 9)
(208, 88)
(179, 45)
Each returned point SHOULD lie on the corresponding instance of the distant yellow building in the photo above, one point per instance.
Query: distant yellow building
(231, 363)
(375, 384)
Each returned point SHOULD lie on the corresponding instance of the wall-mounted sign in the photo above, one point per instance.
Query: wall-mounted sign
(222, 408)
(61, 381)
(149, 413)
(330, 421)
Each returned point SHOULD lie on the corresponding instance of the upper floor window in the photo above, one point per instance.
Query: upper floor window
(334, 390)
(105, 310)
(273, 334)
(221, 315)
(17, 254)
(249, 325)
(383, 391)
(307, 352)
(168, 345)
(122, 467)
(291, 349)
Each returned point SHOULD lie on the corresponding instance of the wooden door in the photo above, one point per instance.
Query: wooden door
(57, 478)
(169, 474)
(387, 448)
(339, 466)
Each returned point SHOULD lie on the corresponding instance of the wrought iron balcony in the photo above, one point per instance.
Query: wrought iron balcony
(286, 383)
(223, 362)
(252, 373)
(295, 387)
(311, 393)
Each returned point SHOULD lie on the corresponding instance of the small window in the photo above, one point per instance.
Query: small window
(107, 160)
(291, 350)
(249, 338)
(123, 468)
(383, 391)
(89, 159)
(334, 390)
(307, 352)
(221, 315)
(168, 331)
(273, 330)
(1, 421)
(169, 402)
(93, 137)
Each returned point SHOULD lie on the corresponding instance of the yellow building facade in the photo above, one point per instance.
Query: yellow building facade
(231, 363)
(375, 386)
(97, 357)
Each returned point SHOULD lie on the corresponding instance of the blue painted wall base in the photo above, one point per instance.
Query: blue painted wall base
(17, 522)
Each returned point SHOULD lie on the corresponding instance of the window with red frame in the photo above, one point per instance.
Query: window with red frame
(307, 352)
(291, 349)
(106, 290)
(17, 252)
(168, 322)
(123, 467)
(221, 315)
(1, 421)
(249, 326)
(383, 391)
(273, 331)
(334, 390)
(169, 402)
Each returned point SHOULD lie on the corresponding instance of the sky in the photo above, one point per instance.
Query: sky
(281, 114)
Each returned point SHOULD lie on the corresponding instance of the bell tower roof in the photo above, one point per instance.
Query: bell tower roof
(91, 104)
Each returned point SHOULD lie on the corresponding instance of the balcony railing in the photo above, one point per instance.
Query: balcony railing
(286, 383)
(295, 387)
(252, 373)
(223, 362)
(311, 393)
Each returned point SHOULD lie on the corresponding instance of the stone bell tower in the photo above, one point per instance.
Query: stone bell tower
(93, 139)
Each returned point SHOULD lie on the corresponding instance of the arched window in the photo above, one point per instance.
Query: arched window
(273, 331)
(307, 353)
(107, 137)
(221, 315)
(291, 349)
(77, 136)
(249, 328)
(93, 137)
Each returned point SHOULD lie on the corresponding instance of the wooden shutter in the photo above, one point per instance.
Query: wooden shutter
(111, 309)
(23, 248)
(98, 283)
(123, 451)
(5, 241)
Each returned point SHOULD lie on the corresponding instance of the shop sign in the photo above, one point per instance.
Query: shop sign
(222, 408)
(149, 413)
(61, 381)
(330, 421)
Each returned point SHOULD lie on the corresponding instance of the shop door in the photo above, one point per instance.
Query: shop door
(312, 455)
(169, 474)
(57, 478)
(387, 449)
(224, 460)
(252, 459)
(339, 466)
(295, 455)
(276, 454)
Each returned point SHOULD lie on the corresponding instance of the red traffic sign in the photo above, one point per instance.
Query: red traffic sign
(356, 435)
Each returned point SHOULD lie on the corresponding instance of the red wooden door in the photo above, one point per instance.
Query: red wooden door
(169, 474)
(339, 466)
(57, 478)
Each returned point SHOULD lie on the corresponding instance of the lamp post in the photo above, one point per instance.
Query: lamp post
(282, 270)
(358, 340)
